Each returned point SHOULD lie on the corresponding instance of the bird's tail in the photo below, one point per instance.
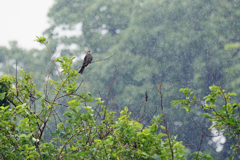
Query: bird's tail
(81, 70)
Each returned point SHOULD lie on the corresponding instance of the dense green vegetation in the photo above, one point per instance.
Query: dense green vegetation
(85, 133)
(177, 43)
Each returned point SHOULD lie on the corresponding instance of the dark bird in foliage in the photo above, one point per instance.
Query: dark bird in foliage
(87, 60)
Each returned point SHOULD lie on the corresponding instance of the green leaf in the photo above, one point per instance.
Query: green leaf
(25, 120)
(2, 95)
(35, 140)
(232, 94)
(53, 82)
(72, 101)
(206, 115)
(231, 46)
(23, 136)
(185, 91)
(41, 39)
(34, 153)
(207, 156)
(160, 135)
(163, 127)
(186, 108)
(145, 154)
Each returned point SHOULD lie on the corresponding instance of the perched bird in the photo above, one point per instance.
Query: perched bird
(87, 60)
(146, 96)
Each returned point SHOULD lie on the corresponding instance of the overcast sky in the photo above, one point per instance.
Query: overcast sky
(23, 20)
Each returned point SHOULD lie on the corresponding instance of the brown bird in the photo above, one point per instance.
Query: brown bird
(87, 60)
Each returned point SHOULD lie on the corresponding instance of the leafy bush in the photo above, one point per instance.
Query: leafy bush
(218, 109)
(31, 128)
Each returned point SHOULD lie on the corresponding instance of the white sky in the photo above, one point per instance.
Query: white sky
(23, 20)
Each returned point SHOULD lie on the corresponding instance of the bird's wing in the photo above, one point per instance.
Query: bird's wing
(91, 58)
(85, 60)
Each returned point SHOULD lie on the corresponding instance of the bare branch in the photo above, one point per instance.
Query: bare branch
(165, 122)
(103, 59)
(111, 85)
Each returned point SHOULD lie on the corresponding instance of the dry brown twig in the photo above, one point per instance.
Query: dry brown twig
(111, 84)
(103, 59)
(164, 120)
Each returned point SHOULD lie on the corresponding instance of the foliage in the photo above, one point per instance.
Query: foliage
(87, 133)
(218, 109)
(175, 42)
(41, 39)
(3, 91)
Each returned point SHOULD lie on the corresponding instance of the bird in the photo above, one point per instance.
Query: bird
(146, 96)
(87, 60)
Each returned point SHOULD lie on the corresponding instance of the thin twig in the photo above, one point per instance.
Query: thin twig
(144, 108)
(53, 61)
(111, 85)
(165, 122)
(140, 109)
(103, 59)
(200, 145)
(204, 131)
(146, 115)
(114, 105)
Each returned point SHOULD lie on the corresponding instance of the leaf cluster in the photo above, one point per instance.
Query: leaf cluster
(218, 109)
